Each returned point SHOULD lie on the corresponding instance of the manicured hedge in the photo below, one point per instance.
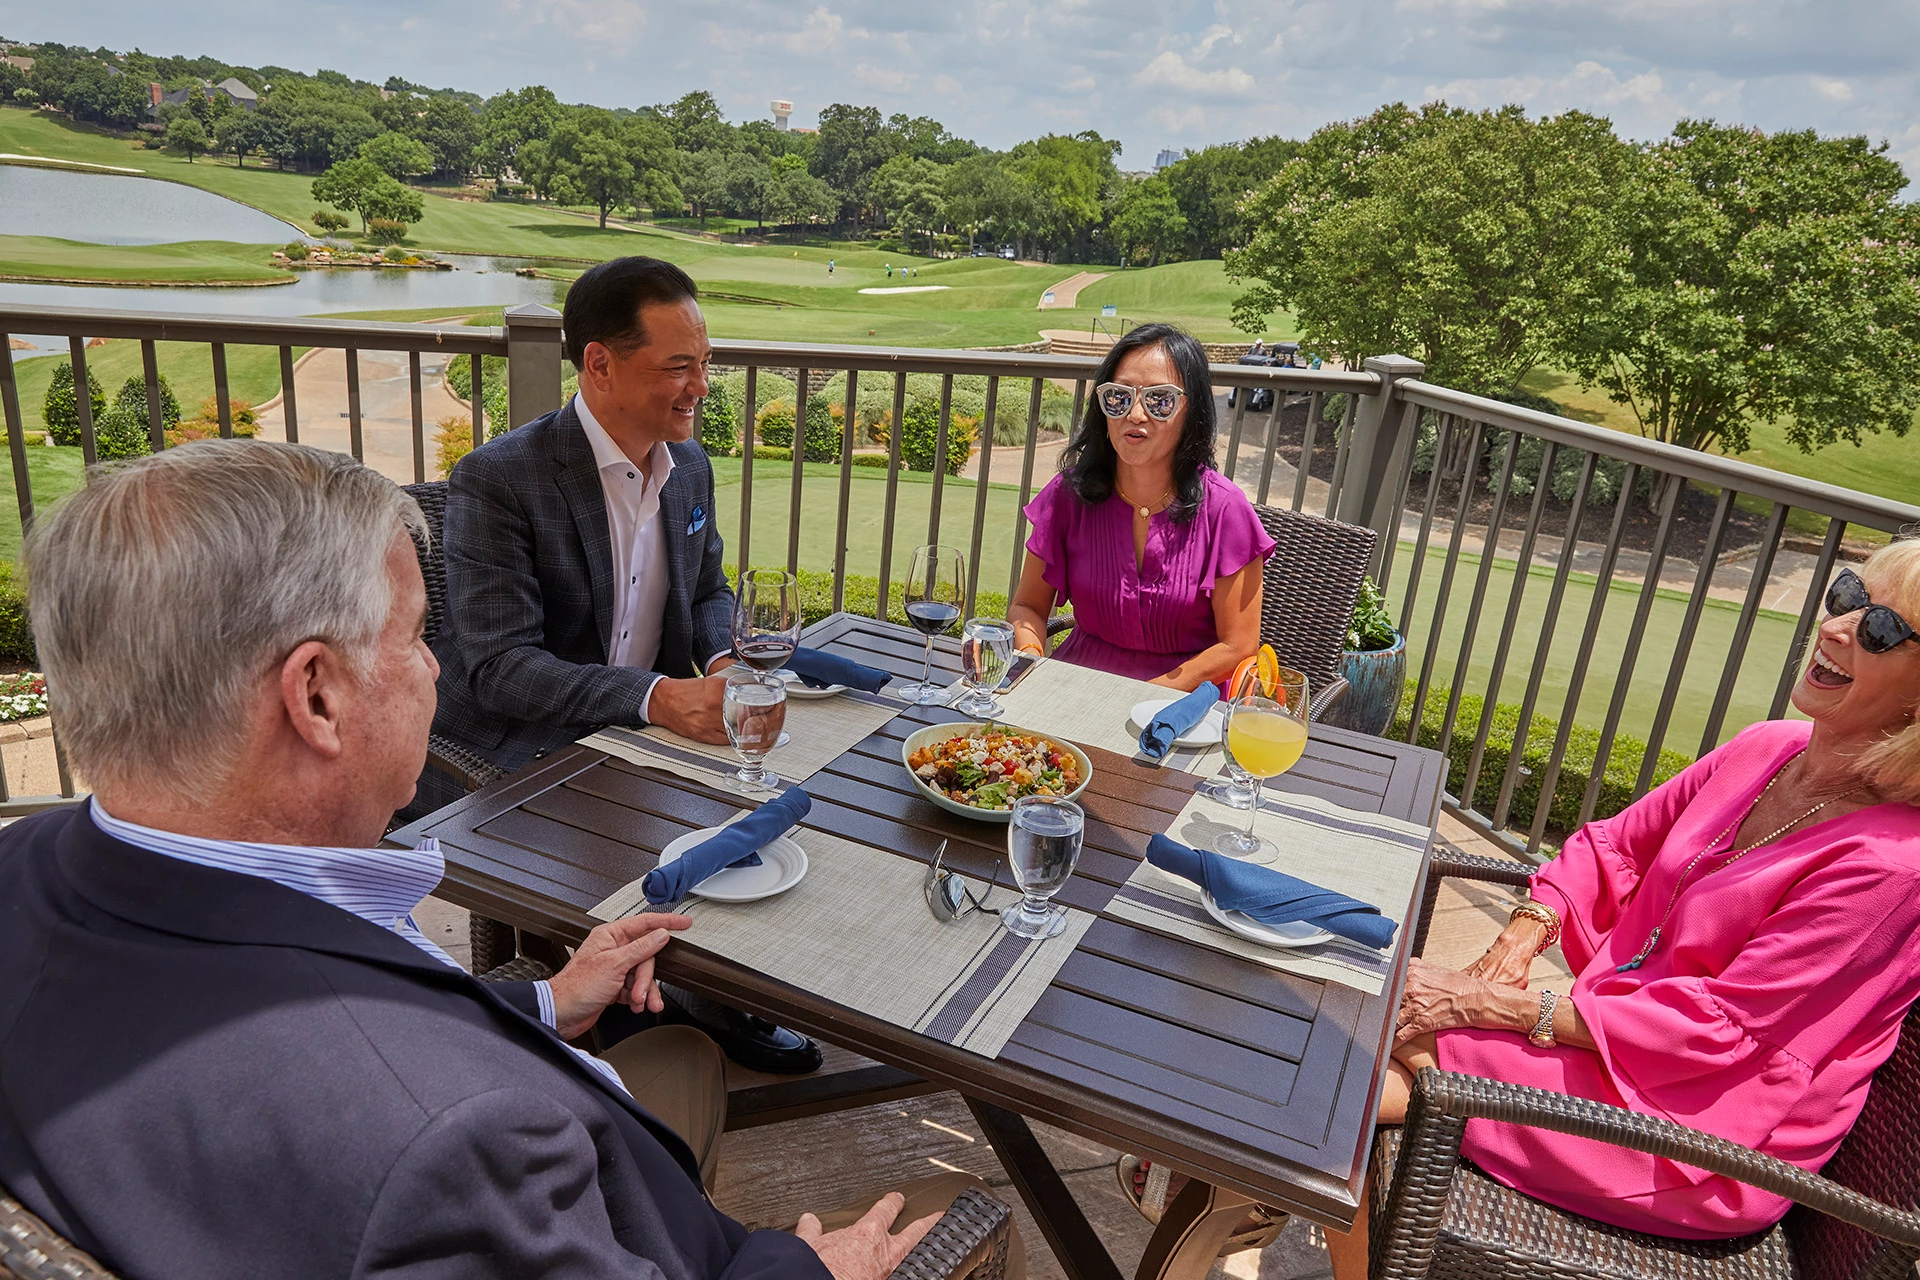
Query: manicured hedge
(1576, 769)
(16, 635)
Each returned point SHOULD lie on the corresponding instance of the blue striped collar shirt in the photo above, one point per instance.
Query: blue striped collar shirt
(381, 886)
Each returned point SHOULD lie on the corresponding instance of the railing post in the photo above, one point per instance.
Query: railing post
(533, 362)
(1382, 437)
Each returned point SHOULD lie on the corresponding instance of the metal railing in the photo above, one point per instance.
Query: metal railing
(1359, 465)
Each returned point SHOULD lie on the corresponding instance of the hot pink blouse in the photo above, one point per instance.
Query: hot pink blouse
(1142, 620)
(1778, 985)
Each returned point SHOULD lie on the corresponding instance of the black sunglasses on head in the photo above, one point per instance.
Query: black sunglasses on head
(1880, 628)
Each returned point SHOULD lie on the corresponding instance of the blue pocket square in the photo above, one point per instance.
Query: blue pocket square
(698, 522)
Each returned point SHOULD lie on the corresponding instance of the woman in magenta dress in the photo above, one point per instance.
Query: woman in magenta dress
(1159, 554)
(1745, 941)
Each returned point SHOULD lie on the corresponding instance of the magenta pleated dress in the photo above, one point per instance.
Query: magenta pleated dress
(1778, 985)
(1141, 621)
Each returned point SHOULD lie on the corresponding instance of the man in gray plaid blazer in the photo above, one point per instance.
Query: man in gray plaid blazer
(584, 585)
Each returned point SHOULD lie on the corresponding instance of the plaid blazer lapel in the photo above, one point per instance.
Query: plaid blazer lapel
(579, 483)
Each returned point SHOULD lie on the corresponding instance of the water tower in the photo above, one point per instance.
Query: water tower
(781, 110)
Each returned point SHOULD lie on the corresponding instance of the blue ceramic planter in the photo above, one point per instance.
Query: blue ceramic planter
(1377, 679)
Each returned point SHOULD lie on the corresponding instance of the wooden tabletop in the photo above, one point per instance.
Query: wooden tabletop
(1262, 1081)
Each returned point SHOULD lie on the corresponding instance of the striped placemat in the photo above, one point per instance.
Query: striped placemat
(857, 931)
(819, 730)
(1363, 855)
(1090, 708)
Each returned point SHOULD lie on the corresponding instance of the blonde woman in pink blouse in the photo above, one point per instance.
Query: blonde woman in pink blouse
(1745, 942)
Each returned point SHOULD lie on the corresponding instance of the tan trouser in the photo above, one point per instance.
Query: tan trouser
(680, 1077)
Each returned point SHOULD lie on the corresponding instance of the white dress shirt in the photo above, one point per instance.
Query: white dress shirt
(639, 546)
(381, 886)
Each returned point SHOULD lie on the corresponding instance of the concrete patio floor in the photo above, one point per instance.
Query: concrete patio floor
(770, 1175)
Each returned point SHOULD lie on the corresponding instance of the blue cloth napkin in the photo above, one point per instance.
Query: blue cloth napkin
(817, 669)
(1175, 719)
(1269, 896)
(736, 846)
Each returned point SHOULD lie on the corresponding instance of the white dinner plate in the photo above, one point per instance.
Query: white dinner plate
(783, 864)
(1293, 934)
(798, 688)
(1212, 726)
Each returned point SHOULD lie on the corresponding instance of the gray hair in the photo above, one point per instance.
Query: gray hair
(165, 590)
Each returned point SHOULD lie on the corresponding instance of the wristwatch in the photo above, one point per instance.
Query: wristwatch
(1542, 1034)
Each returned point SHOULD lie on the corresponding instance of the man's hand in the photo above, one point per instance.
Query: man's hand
(691, 708)
(865, 1250)
(614, 963)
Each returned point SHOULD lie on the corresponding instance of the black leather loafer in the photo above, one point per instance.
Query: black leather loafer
(753, 1042)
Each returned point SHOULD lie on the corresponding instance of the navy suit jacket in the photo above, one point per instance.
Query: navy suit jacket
(206, 1074)
(530, 592)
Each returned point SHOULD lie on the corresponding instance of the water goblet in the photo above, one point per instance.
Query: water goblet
(754, 708)
(986, 650)
(1266, 735)
(1043, 846)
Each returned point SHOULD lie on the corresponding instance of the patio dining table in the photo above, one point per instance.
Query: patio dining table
(1259, 1081)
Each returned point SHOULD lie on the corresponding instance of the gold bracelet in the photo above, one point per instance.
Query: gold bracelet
(1545, 915)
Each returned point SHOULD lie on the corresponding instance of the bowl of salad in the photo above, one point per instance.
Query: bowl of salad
(979, 769)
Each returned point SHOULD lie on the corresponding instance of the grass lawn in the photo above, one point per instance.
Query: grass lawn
(1753, 689)
(52, 473)
(253, 374)
(192, 261)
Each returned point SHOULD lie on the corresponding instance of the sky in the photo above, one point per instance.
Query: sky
(1153, 74)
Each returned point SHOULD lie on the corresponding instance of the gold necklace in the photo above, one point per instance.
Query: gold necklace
(1653, 939)
(1146, 512)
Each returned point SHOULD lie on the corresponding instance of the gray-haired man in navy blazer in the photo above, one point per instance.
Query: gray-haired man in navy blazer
(226, 1050)
(584, 580)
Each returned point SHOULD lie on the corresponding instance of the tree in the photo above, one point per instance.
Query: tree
(1147, 221)
(797, 196)
(703, 180)
(346, 186)
(986, 196)
(451, 133)
(188, 135)
(511, 120)
(911, 192)
(1761, 278)
(603, 172)
(238, 132)
(749, 185)
(1211, 185)
(398, 155)
(694, 123)
(852, 143)
(1473, 241)
(389, 201)
(1072, 178)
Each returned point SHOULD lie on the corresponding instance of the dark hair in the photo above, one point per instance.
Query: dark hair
(1089, 458)
(604, 303)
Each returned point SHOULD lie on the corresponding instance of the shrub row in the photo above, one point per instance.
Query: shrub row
(722, 410)
(16, 633)
(493, 389)
(1576, 767)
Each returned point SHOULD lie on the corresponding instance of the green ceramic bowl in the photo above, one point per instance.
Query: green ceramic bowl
(941, 732)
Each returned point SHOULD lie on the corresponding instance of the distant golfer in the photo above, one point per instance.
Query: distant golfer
(889, 271)
(829, 266)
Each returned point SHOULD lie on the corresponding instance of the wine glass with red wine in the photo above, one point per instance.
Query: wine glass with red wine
(933, 605)
(766, 620)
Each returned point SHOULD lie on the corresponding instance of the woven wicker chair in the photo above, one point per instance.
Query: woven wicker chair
(1308, 590)
(1435, 1214)
(494, 943)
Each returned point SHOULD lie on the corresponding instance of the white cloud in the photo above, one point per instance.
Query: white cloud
(1171, 71)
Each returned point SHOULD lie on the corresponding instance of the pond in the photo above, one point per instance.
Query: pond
(105, 208)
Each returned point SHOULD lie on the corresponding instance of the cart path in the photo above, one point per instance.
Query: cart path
(1067, 292)
(386, 407)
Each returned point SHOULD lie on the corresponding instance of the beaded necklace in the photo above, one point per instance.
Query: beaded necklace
(1653, 939)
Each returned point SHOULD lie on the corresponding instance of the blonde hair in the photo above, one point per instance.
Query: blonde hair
(1893, 764)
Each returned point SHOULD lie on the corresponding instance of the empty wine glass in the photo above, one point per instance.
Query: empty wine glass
(986, 649)
(934, 579)
(1267, 735)
(754, 708)
(1043, 846)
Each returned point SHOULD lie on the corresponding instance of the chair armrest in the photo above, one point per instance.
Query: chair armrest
(1451, 1097)
(1329, 694)
(470, 769)
(31, 1248)
(1058, 623)
(1464, 866)
(519, 969)
(970, 1242)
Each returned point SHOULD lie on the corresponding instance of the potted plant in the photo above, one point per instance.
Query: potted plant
(1375, 665)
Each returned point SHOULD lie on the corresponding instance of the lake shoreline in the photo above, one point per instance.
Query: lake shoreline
(10, 278)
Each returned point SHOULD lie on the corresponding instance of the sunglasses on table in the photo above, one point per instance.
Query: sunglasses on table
(1880, 628)
(948, 894)
(1161, 401)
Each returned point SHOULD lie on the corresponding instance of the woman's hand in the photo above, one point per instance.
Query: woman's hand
(1437, 998)
(1508, 961)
